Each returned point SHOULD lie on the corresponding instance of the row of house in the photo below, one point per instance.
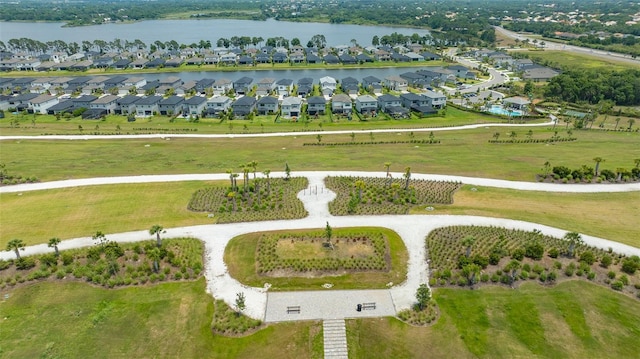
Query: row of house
(528, 69)
(289, 107)
(141, 59)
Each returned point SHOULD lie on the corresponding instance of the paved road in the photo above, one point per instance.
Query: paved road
(550, 45)
(495, 77)
(412, 229)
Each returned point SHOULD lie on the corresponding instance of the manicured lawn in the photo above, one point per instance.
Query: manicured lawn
(596, 214)
(113, 124)
(460, 152)
(571, 320)
(81, 211)
(240, 257)
(578, 60)
(54, 320)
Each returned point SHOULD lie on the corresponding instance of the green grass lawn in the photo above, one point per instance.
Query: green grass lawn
(574, 319)
(113, 124)
(81, 211)
(240, 256)
(571, 320)
(579, 60)
(459, 153)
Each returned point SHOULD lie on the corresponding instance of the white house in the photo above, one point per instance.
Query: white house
(291, 107)
(41, 103)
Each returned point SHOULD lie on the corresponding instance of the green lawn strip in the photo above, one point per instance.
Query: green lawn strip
(469, 315)
(575, 60)
(113, 124)
(77, 212)
(459, 153)
(574, 316)
(240, 256)
(161, 321)
(552, 209)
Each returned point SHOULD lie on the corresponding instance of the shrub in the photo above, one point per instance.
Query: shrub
(494, 258)
(4, 264)
(518, 254)
(495, 278)
(570, 270)
(587, 257)
(630, 265)
(543, 277)
(49, 260)
(554, 252)
(617, 285)
(591, 275)
(481, 261)
(552, 276)
(624, 279)
(484, 277)
(25, 263)
(605, 261)
(534, 250)
(611, 275)
(67, 258)
(557, 265)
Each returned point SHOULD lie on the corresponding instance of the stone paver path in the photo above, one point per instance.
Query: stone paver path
(335, 339)
(327, 304)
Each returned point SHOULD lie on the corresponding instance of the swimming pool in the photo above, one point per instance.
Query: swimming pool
(499, 110)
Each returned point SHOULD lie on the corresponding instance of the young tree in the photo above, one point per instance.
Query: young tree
(154, 255)
(328, 233)
(468, 242)
(387, 165)
(360, 185)
(407, 177)
(53, 243)
(574, 239)
(598, 160)
(512, 267)
(16, 245)
(100, 238)
(267, 173)
(423, 296)
(157, 229)
(240, 303)
(254, 167)
(287, 171)
(471, 271)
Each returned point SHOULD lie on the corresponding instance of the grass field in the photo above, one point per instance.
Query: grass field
(81, 211)
(571, 320)
(579, 60)
(48, 124)
(240, 257)
(459, 153)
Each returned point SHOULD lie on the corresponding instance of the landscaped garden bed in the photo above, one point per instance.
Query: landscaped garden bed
(259, 200)
(351, 258)
(111, 264)
(372, 196)
(470, 256)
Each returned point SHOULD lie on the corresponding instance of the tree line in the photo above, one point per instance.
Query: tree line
(594, 86)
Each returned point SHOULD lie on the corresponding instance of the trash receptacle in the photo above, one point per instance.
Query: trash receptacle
(359, 307)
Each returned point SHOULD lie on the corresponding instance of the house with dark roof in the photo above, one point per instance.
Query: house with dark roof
(61, 107)
(267, 105)
(171, 105)
(279, 58)
(242, 85)
(313, 59)
(155, 63)
(174, 62)
(362, 58)
(84, 101)
(316, 105)
(148, 106)
(222, 86)
(284, 87)
(429, 56)
(126, 105)
(150, 88)
(243, 106)
(263, 58)
(266, 86)
(395, 83)
(331, 59)
(416, 103)
(246, 60)
(347, 59)
(204, 85)
(194, 106)
(121, 64)
(392, 105)
(372, 83)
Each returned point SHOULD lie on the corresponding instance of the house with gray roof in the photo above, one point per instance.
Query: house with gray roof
(267, 105)
(516, 103)
(395, 83)
(42, 103)
(284, 87)
(218, 104)
(194, 106)
(243, 106)
(435, 100)
(222, 86)
(291, 107)
(106, 103)
(61, 107)
(265, 86)
(316, 105)
(126, 105)
(171, 105)
(366, 104)
(242, 85)
(148, 106)
(341, 103)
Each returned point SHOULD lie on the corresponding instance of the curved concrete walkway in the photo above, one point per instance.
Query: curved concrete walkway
(273, 134)
(412, 228)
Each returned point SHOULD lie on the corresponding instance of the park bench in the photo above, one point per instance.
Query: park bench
(368, 306)
(293, 309)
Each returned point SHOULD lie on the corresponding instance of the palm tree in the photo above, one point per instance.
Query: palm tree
(636, 161)
(598, 160)
(574, 239)
(100, 238)
(387, 165)
(468, 242)
(267, 173)
(328, 233)
(547, 167)
(471, 271)
(245, 177)
(360, 185)
(154, 255)
(232, 196)
(407, 177)
(496, 135)
(53, 243)
(230, 172)
(16, 245)
(157, 229)
(512, 267)
(254, 167)
(617, 122)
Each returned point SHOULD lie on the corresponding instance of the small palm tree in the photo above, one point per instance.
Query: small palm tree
(574, 239)
(100, 238)
(157, 229)
(16, 245)
(267, 173)
(328, 233)
(513, 267)
(154, 255)
(468, 242)
(53, 243)
(598, 160)
(407, 177)
(360, 185)
(254, 167)
(387, 165)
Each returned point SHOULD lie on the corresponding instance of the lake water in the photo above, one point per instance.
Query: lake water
(190, 31)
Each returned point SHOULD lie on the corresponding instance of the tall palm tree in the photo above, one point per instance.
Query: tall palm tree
(360, 185)
(232, 196)
(16, 245)
(154, 255)
(598, 160)
(387, 166)
(254, 167)
(468, 242)
(574, 239)
(407, 177)
(230, 172)
(267, 173)
(157, 229)
(53, 243)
